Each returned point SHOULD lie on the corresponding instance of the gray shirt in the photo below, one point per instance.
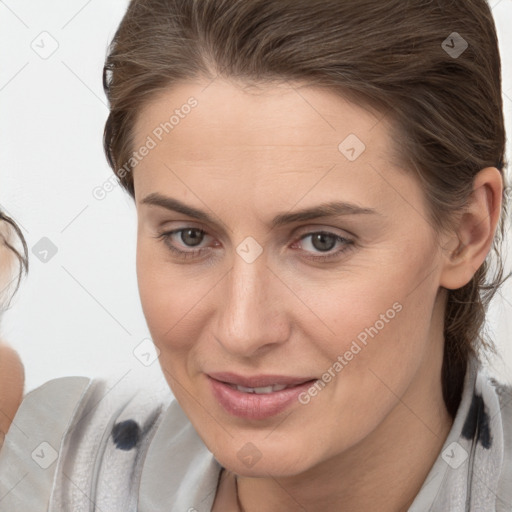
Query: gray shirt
(82, 445)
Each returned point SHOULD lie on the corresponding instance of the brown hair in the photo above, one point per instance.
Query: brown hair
(392, 56)
(9, 231)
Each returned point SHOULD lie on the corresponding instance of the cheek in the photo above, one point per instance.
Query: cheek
(157, 294)
(361, 327)
(171, 298)
(165, 302)
(378, 317)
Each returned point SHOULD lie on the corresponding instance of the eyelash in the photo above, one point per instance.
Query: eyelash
(165, 237)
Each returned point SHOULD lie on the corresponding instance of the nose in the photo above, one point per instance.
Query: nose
(251, 312)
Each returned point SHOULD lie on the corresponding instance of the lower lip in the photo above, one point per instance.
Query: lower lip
(256, 406)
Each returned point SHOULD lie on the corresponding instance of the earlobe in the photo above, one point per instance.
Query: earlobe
(475, 231)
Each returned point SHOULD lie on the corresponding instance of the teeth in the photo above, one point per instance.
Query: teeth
(262, 390)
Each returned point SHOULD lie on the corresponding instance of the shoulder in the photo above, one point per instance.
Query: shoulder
(32, 443)
(61, 428)
(494, 390)
(496, 419)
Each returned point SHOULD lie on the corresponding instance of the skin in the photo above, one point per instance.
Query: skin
(12, 379)
(368, 440)
(12, 373)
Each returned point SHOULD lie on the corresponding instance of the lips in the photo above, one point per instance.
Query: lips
(253, 405)
(259, 381)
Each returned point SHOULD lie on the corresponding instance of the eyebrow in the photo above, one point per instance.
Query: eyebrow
(331, 209)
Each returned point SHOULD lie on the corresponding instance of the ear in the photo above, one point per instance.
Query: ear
(475, 231)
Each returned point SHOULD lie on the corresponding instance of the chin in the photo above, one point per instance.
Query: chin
(251, 462)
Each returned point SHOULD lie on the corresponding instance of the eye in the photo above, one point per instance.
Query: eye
(320, 241)
(189, 237)
(324, 242)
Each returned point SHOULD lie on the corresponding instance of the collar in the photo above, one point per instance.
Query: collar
(180, 474)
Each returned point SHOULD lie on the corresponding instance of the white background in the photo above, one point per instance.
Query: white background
(79, 313)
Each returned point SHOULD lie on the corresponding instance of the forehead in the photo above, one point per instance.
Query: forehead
(239, 116)
(272, 137)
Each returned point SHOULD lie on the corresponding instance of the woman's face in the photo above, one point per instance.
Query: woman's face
(349, 298)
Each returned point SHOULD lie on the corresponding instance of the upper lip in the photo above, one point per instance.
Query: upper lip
(257, 381)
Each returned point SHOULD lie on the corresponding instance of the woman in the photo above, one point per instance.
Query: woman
(319, 185)
(11, 370)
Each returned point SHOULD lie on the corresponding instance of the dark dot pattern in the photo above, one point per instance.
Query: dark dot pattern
(477, 423)
(126, 435)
